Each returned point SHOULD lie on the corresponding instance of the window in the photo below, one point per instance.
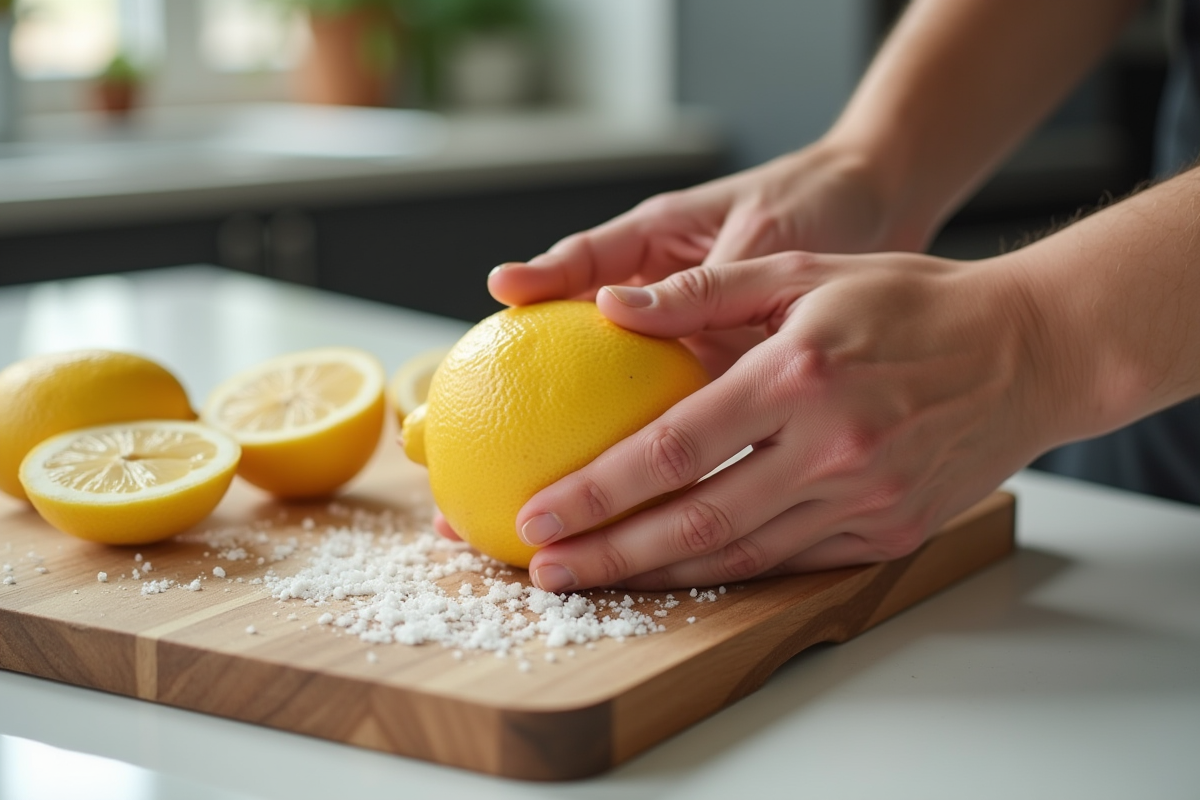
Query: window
(249, 36)
(197, 50)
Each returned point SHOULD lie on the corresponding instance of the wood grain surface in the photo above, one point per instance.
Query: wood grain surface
(232, 650)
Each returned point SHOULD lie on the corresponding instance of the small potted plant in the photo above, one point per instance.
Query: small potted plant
(118, 86)
(354, 58)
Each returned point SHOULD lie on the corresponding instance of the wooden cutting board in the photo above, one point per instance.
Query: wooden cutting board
(232, 650)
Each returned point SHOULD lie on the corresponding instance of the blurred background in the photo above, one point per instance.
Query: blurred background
(399, 149)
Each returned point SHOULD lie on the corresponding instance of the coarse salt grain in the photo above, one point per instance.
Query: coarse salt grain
(157, 587)
(251, 630)
(390, 583)
(102, 577)
(218, 572)
(9, 580)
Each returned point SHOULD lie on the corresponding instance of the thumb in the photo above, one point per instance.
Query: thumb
(713, 297)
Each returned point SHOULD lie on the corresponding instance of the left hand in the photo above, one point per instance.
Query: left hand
(892, 392)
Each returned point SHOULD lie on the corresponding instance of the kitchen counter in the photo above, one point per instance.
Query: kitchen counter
(1071, 669)
(171, 162)
(396, 205)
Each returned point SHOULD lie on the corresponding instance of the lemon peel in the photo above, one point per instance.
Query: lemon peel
(46, 394)
(529, 395)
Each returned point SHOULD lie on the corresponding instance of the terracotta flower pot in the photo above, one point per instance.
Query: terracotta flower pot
(116, 97)
(349, 62)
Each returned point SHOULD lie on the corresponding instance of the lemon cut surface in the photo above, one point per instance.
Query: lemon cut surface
(529, 395)
(307, 422)
(47, 394)
(409, 387)
(130, 483)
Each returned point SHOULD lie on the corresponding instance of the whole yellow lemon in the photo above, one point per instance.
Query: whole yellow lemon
(529, 395)
(45, 395)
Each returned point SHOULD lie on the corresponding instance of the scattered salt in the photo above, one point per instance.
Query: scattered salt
(194, 586)
(41, 570)
(690, 620)
(157, 587)
(218, 572)
(250, 629)
(9, 580)
(102, 577)
(137, 557)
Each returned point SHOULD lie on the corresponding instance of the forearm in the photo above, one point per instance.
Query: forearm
(957, 84)
(1118, 299)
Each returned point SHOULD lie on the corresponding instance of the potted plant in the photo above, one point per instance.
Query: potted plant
(354, 58)
(118, 86)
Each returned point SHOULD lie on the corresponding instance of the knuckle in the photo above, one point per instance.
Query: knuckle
(743, 558)
(799, 261)
(656, 580)
(702, 527)
(852, 450)
(673, 458)
(697, 286)
(594, 499)
(608, 565)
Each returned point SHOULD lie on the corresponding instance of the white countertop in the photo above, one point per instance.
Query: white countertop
(171, 162)
(1069, 670)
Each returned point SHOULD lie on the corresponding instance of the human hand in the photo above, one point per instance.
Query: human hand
(821, 199)
(892, 392)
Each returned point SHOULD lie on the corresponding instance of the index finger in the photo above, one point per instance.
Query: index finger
(659, 236)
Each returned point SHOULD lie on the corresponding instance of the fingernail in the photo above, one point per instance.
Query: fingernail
(554, 578)
(632, 296)
(499, 267)
(541, 529)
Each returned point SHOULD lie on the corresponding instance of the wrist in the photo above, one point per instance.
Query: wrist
(904, 221)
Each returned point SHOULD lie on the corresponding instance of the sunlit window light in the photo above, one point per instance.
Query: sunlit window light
(250, 35)
(65, 38)
(56, 39)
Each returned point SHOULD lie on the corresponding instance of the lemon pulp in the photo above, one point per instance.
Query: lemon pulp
(307, 422)
(130, 483)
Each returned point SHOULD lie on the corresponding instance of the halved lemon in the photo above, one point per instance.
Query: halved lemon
(132, 482)
(409, 387)
(307, 422)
